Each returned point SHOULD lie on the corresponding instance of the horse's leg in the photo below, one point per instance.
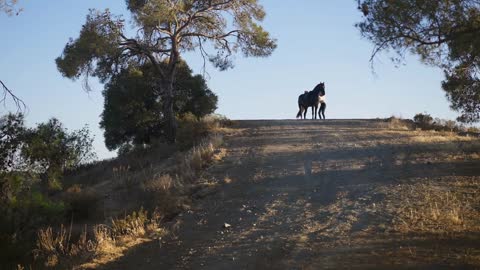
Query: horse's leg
(305, 113)
(316, 109)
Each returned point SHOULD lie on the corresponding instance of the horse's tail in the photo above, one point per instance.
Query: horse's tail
(299, 114)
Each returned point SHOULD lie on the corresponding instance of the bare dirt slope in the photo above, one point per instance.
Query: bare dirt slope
(328, 195)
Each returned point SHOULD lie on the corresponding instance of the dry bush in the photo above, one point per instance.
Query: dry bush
(191, 130)
(163, 192)
(397, 123)
(473, 130)
(162, 183)
(200, 156)
(130, 225)
(124, 177)
(105, 242)
(58, 248)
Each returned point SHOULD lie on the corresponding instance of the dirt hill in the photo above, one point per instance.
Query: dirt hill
(328, 195)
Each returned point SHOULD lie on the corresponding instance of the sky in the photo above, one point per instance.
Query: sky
(317, 42)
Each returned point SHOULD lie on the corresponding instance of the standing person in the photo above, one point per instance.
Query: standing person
(323, 106)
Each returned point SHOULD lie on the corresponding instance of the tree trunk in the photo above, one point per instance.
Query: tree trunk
(170, 120)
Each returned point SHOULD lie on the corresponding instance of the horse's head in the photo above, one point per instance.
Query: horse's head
(321, 89)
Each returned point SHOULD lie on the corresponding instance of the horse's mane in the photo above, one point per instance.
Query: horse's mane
(318, 88)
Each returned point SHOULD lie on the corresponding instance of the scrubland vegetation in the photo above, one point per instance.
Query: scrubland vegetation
(95, 210)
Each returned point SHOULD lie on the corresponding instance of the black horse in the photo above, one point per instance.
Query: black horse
(310, 99)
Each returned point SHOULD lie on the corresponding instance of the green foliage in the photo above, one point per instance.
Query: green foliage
(463, 92)
(12, 129)
(132, 114)
(443, 33)
(47, 150)
(192, 94)
(51, 149)
(95, 51)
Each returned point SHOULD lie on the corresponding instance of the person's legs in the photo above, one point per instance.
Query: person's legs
(322, 110)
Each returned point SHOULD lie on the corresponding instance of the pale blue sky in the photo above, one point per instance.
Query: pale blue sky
(317, 41)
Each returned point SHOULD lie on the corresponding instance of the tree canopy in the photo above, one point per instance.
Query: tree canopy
(165, 29)
(8, 7)
(133, 114)
(444, 33)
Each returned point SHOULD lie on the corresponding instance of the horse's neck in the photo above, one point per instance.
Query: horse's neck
(316, 91)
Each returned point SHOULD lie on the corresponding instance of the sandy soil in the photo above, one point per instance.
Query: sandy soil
(320, 195)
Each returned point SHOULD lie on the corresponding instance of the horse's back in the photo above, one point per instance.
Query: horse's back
(301, 99)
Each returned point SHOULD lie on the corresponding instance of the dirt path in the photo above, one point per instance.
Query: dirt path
(313, 195)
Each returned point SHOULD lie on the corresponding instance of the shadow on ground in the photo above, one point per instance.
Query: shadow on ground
(309, 195)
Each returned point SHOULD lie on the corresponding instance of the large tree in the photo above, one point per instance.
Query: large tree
(164, 30)
(444, 33)
(133, 115)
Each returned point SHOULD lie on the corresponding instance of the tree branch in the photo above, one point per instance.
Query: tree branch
(6, 93)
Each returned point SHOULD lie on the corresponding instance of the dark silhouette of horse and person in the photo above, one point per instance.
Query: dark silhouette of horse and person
(312, 99)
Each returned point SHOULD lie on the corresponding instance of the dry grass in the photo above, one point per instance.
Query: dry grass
(441, 206)
(101, 245)
(396, 123)
(200, 156)
(58, 248)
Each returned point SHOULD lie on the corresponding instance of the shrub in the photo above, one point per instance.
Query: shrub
(50, 150)
(192, 131)
(423, 121)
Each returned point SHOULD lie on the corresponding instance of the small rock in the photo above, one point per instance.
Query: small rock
(227, 226)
